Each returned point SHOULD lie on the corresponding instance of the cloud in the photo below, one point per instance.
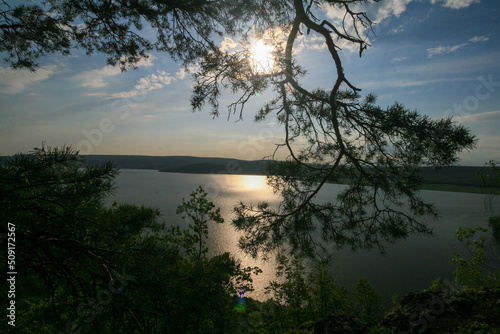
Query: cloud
(398, 59)
(477, 39)
(181, 74)
(387, 9)
(150, 83)
(490, 116)
(456, 4)
(153, 82)
(97, 78)
(390, 83)
(380, 13)
(227, 44)
(16, 81)
(443, 67)
(442, 50)
(377, 13)
(397, 30)
(192, 68)
(307, 42)
(487, 149)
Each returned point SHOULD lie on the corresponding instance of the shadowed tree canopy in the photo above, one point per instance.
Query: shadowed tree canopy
(84, 266)
(331, 133)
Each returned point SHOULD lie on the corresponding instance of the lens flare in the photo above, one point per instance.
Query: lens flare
(241, 306)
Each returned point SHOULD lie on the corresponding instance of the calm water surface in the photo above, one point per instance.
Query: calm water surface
(407, 265)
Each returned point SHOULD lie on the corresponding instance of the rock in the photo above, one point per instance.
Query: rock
(340, 323)
(445, 311)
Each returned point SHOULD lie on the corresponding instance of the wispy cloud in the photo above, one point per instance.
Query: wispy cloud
(470, 65)
(410, 83)
(479, 39)
(487, 149)
(456, 4)
(397, 30)
(98, 78)
(443, 50)
(16, 81)
(305, 42)
(398, 59)
(489, 116)
(150, 83)
(228, 44)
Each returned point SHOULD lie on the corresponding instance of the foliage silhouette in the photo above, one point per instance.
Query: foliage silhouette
(84, 267)
(305, 291)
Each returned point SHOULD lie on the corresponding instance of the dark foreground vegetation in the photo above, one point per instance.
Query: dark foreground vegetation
(81, 267)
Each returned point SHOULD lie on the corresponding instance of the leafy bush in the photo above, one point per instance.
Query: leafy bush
(309, 292)
(478, 328)
(475, 272)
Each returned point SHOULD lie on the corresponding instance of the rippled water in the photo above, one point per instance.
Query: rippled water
(408, 265)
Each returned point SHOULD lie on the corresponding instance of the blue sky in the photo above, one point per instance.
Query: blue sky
(439, 57)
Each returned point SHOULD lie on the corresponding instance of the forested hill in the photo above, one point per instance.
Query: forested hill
(181, 164)
(456, 178)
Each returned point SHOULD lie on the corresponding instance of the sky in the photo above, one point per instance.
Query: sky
(439, 57)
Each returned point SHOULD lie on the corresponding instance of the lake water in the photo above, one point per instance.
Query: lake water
(408, 265)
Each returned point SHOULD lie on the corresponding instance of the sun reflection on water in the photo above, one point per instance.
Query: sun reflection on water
(252, 182)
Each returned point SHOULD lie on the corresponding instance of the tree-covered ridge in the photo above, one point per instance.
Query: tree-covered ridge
(451, 178)
(182, 164)
(461, 176)
(452, 175)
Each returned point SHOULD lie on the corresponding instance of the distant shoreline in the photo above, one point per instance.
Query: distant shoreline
(429, 187)
(454, 178)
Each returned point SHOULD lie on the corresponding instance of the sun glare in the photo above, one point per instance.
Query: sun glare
(253, 182)
(261, 57)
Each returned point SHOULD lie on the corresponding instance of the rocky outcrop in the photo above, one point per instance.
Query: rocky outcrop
(340, 323)
(446, 311)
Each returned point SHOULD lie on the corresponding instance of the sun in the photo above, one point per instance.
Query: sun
(261, 57)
